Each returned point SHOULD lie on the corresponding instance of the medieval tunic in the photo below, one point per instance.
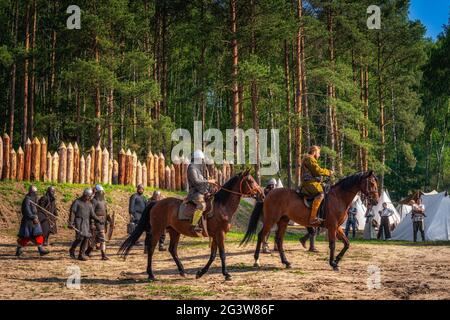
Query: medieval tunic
(369, 230)
(101, 212)
(48, 222)
(198, 185)
(137, 206)
(29, 213)
(81, 213)
(311, 176)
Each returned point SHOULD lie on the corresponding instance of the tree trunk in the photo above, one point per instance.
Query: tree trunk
(33, 71)
(98, 128)
(305, 90)
(110, 122)
(381, 110)
(25, 76)
(12, 102)
(330, 92)
(254, 94)
(234, 74)
(299, 93)
(288, 112)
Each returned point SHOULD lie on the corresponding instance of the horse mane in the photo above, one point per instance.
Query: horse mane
(222, 196)
(349, 182)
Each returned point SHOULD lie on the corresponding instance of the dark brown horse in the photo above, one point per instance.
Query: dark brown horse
(164, 215)
(282, 205)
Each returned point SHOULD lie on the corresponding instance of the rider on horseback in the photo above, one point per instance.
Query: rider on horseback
(199, 186)
(311, 181)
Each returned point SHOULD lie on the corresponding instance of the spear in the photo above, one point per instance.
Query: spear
(48, 212)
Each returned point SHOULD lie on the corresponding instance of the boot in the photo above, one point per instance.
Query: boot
(42, 251)
(19, 251)
(88, 252)
(195, 221)
(82, 257)
(83, 248)
(313, 220)
(72, 249)
(104, 256)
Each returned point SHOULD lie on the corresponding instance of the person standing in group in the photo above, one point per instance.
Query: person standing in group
(352, 221)
(369, 229)
(81, 212)
(136, 206)
(385, 213)
(48, 221)
(30, 228)
(418, 218)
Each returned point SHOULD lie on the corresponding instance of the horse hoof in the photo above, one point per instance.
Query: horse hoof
(256, 265)
(227, 277)
(183, 274)
(288, 266)
(199, 274)
(151, 278)
(336, 268)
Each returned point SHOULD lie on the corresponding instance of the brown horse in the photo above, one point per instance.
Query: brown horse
(164, 216)
(282, 205)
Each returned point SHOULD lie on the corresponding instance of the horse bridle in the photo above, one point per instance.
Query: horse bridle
(253, 191)
(369, 191)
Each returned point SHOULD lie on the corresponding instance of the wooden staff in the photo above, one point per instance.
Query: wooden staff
(48, 212)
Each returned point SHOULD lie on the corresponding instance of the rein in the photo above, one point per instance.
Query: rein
(240, 193)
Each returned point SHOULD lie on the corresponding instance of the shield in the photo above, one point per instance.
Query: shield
(110, 230)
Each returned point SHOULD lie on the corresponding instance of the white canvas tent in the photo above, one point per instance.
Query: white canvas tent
(395, 218)
(437, 220)
(361, 212)
(403, 210)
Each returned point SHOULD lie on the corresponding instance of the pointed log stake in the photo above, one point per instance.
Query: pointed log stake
(162, 175)
(129, 167)
(105, 166)
(177, 174)
(35, 160)
(138, 173)
(62, 153)
(134, 169)
(173, 185)
(110, 171)
(20, 164)
(122, 167)
(6, 155)
(115, 172)
(1, 158)
(98, 165)
(156, 171)
(55, 167)
(92, 166)
(13, 165)
(150, 170)
(167, 178)
(76, 163)
(87, 178)
(70, 165)
(43, 171)
(144, 175)
(82, 172)
(49, 168)
(27, 165)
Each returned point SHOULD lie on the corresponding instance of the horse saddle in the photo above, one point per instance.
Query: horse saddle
(187, 209)
(308, 200)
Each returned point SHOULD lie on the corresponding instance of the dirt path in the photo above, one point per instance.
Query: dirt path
(407, 272)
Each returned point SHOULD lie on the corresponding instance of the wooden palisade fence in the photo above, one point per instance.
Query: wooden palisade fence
(69, 165)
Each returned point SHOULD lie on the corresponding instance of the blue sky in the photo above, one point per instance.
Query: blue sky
(432, 13)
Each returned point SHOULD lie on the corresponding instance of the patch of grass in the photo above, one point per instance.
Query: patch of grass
(177, 292)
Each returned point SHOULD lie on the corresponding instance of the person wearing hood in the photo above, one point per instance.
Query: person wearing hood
(48, 221)
(30, 228)
(101, 211)
(81, 212)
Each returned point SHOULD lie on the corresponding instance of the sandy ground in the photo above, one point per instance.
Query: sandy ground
(406, 272)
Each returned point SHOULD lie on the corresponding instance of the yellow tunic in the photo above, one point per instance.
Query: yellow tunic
(311, 170)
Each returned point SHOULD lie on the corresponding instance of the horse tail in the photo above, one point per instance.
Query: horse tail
(253, 223)
(143, 225)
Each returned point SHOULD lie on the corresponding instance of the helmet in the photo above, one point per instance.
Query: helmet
(99, 188)
(87, 192)
(156, 193)
(272, 181)
(198, 154)
(140, 186)
(32, 189)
